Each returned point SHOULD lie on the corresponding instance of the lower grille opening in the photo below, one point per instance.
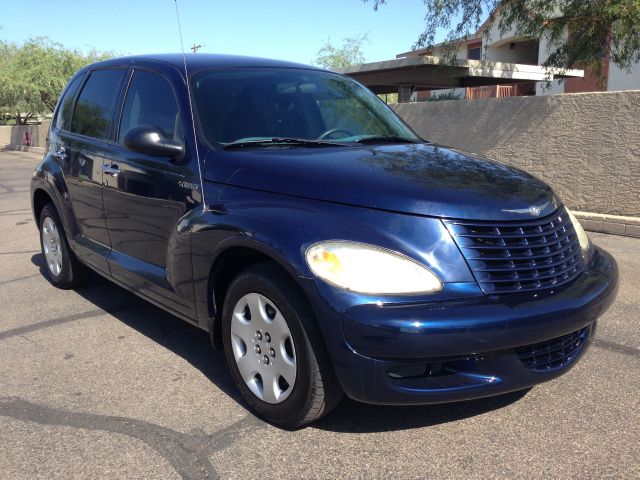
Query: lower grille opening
(419, 370)
(554, 354)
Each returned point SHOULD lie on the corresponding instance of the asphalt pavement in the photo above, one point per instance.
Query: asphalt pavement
(98, 383)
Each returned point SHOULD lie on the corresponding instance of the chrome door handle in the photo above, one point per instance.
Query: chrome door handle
(60, 153)
(112, 170)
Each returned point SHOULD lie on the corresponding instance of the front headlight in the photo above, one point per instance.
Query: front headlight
(582, 236)
(363, 268)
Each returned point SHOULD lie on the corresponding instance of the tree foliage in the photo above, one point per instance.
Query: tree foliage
(32, 75)
(580, 32)
(350, 53)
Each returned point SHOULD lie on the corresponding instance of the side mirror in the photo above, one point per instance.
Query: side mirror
(150, 141)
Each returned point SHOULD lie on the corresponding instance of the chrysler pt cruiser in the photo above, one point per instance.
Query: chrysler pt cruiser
(319, 241)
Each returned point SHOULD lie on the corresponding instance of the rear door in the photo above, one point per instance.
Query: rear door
(80, 148)
(145, 196)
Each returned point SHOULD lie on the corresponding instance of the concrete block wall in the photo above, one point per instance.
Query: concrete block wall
(585, 145)
(13, 135)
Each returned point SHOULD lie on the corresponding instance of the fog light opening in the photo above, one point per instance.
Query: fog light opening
(421, 370)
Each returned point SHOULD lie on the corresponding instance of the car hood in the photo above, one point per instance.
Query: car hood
(422, 179)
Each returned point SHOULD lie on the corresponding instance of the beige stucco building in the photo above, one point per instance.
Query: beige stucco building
(511, 48)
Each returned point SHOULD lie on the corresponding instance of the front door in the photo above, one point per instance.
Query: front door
(145, 197)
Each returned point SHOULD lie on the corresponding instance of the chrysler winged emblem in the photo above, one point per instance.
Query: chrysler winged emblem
(535, 211)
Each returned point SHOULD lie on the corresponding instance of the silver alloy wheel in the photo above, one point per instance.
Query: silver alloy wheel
(51, 246)
(263, 348)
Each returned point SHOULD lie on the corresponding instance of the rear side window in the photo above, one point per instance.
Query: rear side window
(96, 102)
(150, 102)
(66, 104)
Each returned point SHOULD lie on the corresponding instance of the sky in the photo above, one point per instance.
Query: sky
(282, 29)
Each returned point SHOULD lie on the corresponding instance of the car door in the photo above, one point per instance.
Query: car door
(145, 196)
(80, 150)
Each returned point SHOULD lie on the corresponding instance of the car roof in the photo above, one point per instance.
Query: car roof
(198, 61)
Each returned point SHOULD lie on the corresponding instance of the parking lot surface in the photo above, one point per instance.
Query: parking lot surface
(98, 383)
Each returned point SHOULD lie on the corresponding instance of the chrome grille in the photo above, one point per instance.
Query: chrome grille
(520, 256)
(553, 354)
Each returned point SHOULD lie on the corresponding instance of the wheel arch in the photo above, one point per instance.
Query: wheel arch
(40, 198)
(48, 179)
(228, 263)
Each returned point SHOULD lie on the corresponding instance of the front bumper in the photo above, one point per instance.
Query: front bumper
(469, 347)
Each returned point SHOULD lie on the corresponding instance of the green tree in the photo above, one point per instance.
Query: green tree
(580, 31)
(7, 94)
(350, 53)
(32, 75)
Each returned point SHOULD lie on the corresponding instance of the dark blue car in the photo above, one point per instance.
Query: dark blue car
(326, 247)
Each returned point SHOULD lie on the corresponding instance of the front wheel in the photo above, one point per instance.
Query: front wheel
(275, 350)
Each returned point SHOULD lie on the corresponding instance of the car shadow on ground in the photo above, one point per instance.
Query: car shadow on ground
(192, 344)
(174, 334)
(355, 417)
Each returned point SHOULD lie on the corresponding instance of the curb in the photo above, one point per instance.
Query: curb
(21, 148)
(613, 224)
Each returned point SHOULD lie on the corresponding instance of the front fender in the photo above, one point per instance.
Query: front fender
(283, 227)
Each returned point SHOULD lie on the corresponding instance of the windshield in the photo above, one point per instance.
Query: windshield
(251, 105)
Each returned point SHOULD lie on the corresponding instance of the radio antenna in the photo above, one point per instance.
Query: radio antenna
(193, 123)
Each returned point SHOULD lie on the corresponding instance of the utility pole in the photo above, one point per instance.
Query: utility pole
(195, 47)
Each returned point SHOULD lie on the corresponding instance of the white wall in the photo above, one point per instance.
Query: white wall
(461, 52)
(620, 79)
(544, 50)
(495, 37)
(522, 52)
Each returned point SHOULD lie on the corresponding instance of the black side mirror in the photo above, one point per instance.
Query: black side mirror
(150, 141)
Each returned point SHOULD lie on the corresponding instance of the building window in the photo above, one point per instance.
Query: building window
(474, 51)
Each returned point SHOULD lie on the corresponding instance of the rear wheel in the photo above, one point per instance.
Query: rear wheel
(63, 269)
(275, 350)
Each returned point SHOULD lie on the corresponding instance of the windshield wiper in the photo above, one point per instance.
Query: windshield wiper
(385, 139)
(257, 142)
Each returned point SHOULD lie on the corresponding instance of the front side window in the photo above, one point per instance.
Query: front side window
(96, 102)
(150, 102)
(268, 103)
(66, 104)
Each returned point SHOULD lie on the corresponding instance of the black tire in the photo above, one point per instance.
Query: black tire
(72, 273)
(316, 390)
